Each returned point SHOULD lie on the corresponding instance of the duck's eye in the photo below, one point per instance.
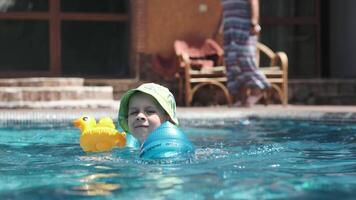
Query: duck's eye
(85, 118)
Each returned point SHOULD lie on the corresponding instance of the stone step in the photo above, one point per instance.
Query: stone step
(41, 81)
(60, 104)
(120, 85)
(51, 93)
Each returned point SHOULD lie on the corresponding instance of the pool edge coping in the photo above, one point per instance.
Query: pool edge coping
(188, 115)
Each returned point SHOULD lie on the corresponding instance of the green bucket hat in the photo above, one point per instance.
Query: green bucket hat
(160, 93)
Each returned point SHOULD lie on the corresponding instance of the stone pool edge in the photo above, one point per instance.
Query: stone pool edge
(187, 116)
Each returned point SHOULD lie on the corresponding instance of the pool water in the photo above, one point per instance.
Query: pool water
(247, 159)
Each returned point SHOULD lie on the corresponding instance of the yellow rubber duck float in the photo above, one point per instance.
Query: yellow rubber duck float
(99, 137)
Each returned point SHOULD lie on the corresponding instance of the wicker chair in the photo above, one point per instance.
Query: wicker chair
(200, 66)
(203, 65)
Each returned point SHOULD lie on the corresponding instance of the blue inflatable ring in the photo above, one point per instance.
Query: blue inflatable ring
(167, 141)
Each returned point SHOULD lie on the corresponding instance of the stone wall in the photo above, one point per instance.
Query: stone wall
(322, 92)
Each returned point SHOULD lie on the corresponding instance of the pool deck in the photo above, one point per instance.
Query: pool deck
(216, 109)
(274, 108)
(187, 114)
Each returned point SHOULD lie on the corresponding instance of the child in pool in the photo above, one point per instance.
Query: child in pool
(144, 109)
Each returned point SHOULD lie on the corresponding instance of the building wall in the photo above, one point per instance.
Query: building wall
(168, 20)
(342, 39)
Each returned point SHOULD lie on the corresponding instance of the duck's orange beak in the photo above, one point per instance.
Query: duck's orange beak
(77, 123)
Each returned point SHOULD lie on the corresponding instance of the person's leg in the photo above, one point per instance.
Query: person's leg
(241, 97)
(254, 96)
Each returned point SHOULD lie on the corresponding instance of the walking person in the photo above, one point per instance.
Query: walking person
(240, 24)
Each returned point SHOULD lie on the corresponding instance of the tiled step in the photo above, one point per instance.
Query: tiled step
(120, 86)
(58, 92)
(40, 81)
(60, 104)
(57, 97)
(11, 94)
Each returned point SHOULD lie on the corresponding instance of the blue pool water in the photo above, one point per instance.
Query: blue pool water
(248, 159)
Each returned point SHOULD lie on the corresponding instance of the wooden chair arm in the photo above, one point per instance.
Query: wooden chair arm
(214, 45)
(184, 59)
(282, 58)
(266, 50)
(274, 57)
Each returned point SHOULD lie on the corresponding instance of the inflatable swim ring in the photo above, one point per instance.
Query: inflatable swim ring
(167, 141)
(132, 142)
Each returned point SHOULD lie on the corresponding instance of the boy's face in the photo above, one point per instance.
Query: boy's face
(144, 115)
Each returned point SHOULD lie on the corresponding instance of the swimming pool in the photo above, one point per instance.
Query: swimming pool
(248, 158)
